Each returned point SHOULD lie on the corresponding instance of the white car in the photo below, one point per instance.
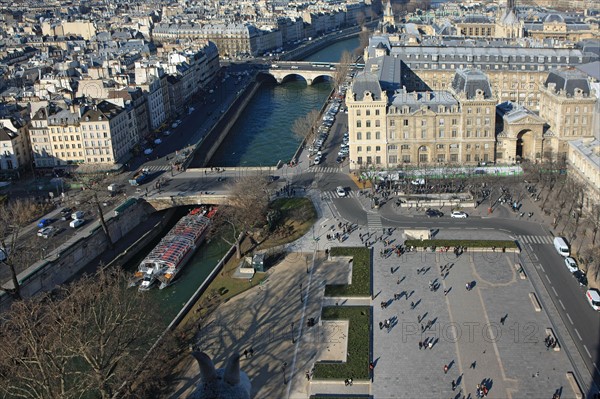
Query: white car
(593, 297)
(317, 160)
(341, 191)
(459, 215)
(157, 141)
(148, 151)
(76, 223)
(571, 264)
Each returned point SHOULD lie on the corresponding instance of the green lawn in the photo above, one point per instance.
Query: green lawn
(465, 243)
(361, 273)
(359, 337)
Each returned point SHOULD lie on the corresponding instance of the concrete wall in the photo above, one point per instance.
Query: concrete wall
(75, 254)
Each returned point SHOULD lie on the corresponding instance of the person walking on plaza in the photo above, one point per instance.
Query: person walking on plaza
(445, 369)
(420, 345)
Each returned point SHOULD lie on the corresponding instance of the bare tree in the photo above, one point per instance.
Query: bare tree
(15, 252)
(94, 184)
(248, 205)
(305, 126)
(361, 19)
(85, 340)
(363, 41)
(343, 68)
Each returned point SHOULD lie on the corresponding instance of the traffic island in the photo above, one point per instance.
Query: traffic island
(464, 245)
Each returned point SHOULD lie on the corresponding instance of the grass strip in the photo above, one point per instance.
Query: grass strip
(361, 273)
(359, 336)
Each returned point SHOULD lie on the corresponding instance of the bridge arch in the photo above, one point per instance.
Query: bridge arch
(293, 76)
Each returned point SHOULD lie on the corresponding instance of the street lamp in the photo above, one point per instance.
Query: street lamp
(293, 337)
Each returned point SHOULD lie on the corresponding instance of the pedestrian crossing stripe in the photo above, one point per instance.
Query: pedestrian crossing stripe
(374, 221)
(157, 168)
(326, 169)
(535, 239)
(333, 194)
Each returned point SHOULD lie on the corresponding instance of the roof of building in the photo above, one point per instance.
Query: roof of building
(590, 149)
(366, 82)
(388, 70)
(512, 112)
(471, 81)
(568, 80)
(591, 68)
(430, 99)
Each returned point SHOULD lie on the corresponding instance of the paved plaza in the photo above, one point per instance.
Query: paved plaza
(489, 334)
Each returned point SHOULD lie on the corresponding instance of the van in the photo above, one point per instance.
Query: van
(593, 297)
(76, 223)
(77, 215)
(561, 246)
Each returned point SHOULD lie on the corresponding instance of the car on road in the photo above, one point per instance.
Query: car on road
(148, 151)
(317, 160)
(167, 133)
(43, 223)
(341, 191)
(157, 141)
(46, 232)
(593, 297)
(581, 278)
(76, 223)
(571, 264)
(459, 215)
(433, 213)
(340, 158)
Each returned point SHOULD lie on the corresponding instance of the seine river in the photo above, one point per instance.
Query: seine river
(262, 135)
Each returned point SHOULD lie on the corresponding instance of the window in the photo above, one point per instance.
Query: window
(440, 146)
(441, 121)
(441, 135)
(405, 147)
(454, 133)
(368, 123)
(454, 121)
(358, 112)
(368, 135)
(359, 149)
(377, 123)
(392, 122)
(377, 135)
(423, 133)
(368, 148)
(423, 158)
(377, 112)
(405, 122)
(358, 124)
(377, 148)
(392, 159)
(423, 122)
(358, 136)
(368, 112)
(406, 158)
(378, 159)
(359, 160)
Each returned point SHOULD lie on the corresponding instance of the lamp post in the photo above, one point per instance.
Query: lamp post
(293, 337)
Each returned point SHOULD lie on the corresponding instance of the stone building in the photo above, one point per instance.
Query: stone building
(567, 104)
(520, 134)
(583, 164)
(390, 126)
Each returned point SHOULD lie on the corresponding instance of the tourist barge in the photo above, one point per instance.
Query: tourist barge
(171, 254)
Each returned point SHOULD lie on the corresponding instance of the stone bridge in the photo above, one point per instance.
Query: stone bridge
(309, 71)
(171, 200)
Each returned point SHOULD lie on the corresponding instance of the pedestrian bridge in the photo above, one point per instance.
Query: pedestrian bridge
(309, 71)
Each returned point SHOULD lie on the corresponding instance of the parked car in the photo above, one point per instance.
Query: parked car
(46, 232)
(167, 133)
(434, 213)
(317, 160)
(157, 141)
(459, 215)
(581, 278)
(341, 191)
(593, 297)
(148, 151)
(77, 215)
(43, 223)
(76, 223)
(571, 264)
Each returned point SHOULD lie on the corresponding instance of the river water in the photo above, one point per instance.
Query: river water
(261, 136)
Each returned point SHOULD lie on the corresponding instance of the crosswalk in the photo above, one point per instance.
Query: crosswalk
(328, 195)
(374, 221)
(325, 169)
(157, 168)
(535, 239)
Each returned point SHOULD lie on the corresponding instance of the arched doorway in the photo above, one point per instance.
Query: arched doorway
(524, 147)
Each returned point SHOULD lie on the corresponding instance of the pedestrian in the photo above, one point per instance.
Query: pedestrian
(412, 305)
(398, 282)
(381, 325)
(420, 345)
(453, 385)
(422, 328)
(246, 353)
(307, 375)
(392, 270)
(467, 286)
(251, 352)
(430, 343)
(445, 369)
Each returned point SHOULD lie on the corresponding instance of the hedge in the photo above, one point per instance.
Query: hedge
(361, 272)
(359, 344)
(462, 243)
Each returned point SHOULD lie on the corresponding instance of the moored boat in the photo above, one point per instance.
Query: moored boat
(171, 254)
